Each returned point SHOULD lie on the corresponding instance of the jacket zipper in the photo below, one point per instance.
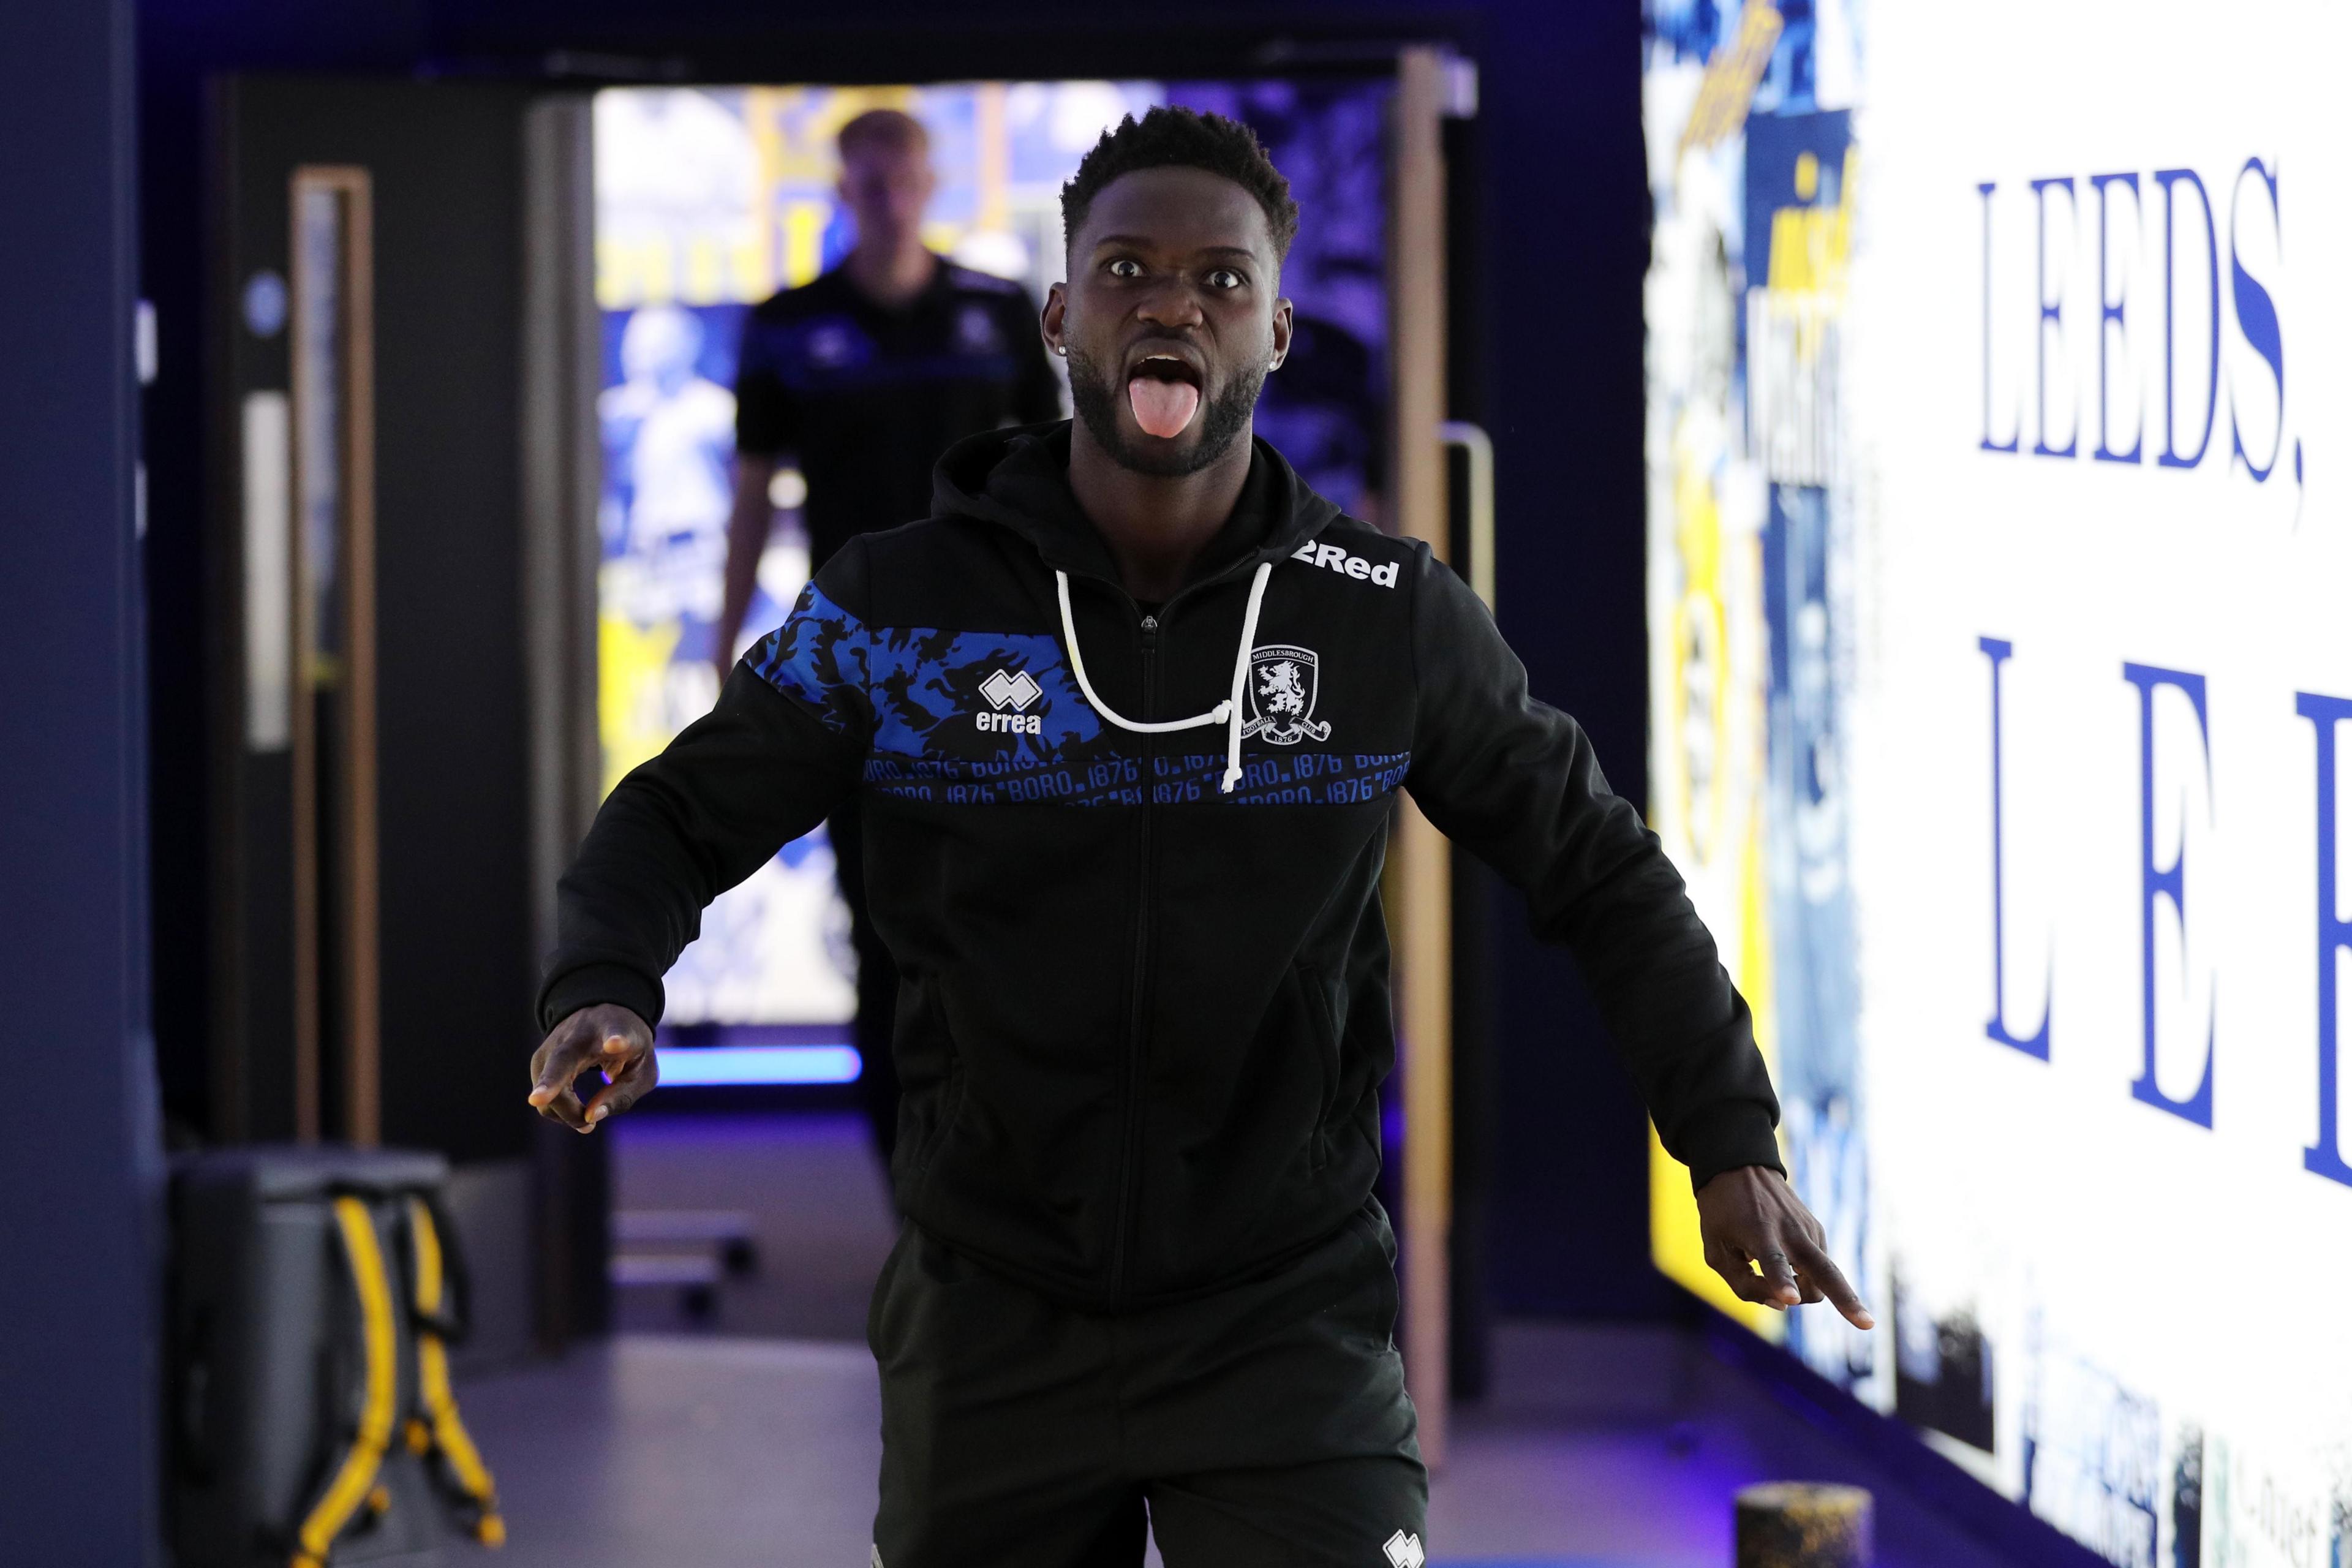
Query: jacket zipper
(1132, 1089)
(1137, 1018)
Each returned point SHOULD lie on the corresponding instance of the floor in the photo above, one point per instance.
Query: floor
(726, 1452)
(816, 1196)
(749, 1436)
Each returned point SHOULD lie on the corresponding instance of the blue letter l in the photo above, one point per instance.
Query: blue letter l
(1996, 1026)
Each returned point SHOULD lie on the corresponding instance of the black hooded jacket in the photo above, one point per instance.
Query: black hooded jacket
(1145, 1001)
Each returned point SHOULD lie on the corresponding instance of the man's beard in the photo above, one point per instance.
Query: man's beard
(1095, 397)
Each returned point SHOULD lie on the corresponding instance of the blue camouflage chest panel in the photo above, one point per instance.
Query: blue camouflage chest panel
(988, 718)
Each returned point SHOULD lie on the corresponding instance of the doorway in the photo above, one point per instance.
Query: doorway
(710, 200)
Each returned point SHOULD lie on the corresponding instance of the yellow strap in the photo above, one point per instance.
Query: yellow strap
(355, 1478)
(449, 1434)
(427, 1242)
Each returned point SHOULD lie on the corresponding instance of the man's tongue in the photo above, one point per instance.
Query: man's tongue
(1162, 408)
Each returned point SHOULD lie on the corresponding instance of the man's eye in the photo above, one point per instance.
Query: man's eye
(1225, 277)
(1125, 266)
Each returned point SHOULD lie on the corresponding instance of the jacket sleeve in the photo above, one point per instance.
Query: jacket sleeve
(1517, 782)
(780, 751)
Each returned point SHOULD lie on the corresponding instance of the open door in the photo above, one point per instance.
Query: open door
(378, 738)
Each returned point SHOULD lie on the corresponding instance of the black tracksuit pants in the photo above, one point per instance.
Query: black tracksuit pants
(1264, 1424)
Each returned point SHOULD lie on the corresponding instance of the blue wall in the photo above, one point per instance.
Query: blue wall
(80, 1160)
(1567, 214)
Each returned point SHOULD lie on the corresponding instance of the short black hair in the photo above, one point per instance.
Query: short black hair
(1168, 137)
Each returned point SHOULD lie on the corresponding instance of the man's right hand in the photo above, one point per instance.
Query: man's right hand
(606, 1039)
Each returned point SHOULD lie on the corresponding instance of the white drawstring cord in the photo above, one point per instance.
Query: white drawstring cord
(1228, 712)
(1079, 668)
(1241, 676)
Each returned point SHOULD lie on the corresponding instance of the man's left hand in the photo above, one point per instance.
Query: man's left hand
(1767, 1245)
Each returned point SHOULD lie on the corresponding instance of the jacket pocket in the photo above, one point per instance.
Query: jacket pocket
(1323, 1021)
(950, 1106)
(919, 1011)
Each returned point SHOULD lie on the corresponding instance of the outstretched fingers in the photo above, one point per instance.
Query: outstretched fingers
(1767, 1245)
(1823, 1280)
(609, 1044)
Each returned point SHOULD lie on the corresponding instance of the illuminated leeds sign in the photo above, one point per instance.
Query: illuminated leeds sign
(2000, 542)
(2125, 300)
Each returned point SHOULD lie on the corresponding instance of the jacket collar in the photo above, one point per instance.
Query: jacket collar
(1019, 479)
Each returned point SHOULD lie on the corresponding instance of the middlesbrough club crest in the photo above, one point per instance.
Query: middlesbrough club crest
(1281, 696)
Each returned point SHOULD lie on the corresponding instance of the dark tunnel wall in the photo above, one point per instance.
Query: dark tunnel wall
(1557, 381)
(446, 176)
(1566, 242)
(80, 1163)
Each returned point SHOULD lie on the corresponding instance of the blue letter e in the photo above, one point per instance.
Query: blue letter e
(2326, 1156)
(2165, 883)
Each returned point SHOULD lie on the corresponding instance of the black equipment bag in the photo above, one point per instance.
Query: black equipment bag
(314, 1293)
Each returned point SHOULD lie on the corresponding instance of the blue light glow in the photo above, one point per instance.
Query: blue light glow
(716, 1066)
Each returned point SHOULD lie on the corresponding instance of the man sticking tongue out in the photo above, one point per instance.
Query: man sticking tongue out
(1144, 1281)
(1175, 300)
(1163, 407)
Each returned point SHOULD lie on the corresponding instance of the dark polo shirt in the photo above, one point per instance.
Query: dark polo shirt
(866, 398)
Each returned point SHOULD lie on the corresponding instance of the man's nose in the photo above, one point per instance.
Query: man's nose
(1170, 303)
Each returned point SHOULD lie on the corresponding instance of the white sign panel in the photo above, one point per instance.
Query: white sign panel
(2001, 451)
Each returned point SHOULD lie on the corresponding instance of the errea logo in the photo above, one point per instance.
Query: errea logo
(1347, 565)
(1403, 1550)
(1009, 689)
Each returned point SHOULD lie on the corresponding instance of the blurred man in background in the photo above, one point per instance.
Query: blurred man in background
(863, 377)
